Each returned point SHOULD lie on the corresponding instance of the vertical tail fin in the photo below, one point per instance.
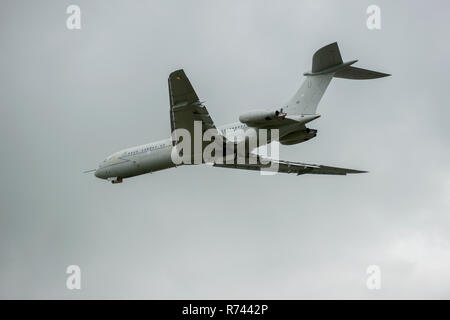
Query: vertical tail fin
(326, 64)
(326, 57)
(306, 99)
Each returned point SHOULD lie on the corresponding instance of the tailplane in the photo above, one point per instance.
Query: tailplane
(326, 64)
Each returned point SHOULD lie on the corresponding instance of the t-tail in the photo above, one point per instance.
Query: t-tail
(326, 64)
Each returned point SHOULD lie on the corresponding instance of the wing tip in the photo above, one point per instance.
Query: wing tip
(382, 75)
(176, 73)
(357, 171)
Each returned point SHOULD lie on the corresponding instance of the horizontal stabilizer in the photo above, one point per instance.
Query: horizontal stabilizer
(359, 74)
(328, 60)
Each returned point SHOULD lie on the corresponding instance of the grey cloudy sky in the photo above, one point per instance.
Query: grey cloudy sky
(70, 98)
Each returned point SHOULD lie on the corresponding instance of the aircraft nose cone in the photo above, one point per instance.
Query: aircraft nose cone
(99, 173)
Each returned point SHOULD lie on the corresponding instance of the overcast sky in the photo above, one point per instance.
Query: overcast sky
(71, 98)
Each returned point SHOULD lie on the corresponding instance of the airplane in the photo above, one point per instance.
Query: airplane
(290, 120)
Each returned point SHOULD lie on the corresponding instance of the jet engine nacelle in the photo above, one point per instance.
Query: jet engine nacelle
(258, 116)
(298, 136)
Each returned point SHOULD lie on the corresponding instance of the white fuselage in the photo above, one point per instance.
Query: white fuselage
(151, 157)
(157, 155)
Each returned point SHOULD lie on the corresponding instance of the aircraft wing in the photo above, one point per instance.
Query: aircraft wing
(185, 107)
(291, 167)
